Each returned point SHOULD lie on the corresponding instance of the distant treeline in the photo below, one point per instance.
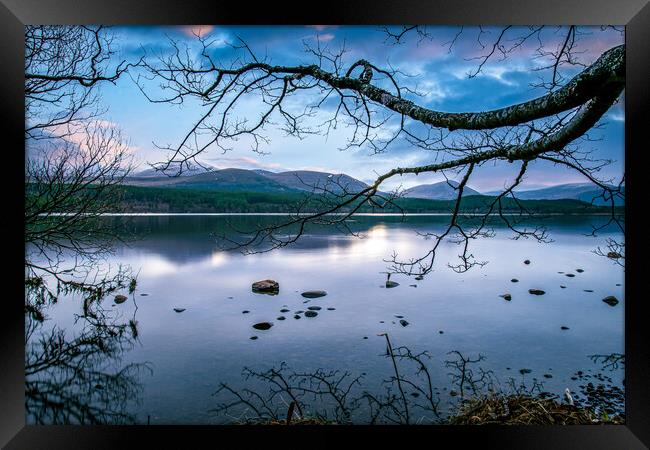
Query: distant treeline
(160, 200)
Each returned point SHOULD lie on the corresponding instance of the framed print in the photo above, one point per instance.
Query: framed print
(409, 221)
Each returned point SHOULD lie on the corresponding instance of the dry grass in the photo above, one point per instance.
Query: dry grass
(525, 410)
(306, 421)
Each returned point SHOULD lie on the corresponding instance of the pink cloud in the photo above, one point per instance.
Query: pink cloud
(321, 27)
(194, 30)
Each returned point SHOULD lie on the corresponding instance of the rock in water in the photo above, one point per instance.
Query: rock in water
(506, 297)
(270, 287)
(614, 255)
(580, 270)
(391, 284)
(120, 299)
(524, 371)
(263, 325)
(514, 280)
(311, 313)
(536, 291)
(281, 318)
(419, 277)
(527, 261)
(314, 294)
(403, 322)
(179, 310)
(314, 308)
(564, 327)
(570, 275)
(611, 300)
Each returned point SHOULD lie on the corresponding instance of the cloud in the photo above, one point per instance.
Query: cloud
(197, 30)
(320, 28)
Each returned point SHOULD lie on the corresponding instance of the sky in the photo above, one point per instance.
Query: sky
(439, 70)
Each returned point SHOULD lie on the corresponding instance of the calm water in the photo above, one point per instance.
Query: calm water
(191, 353)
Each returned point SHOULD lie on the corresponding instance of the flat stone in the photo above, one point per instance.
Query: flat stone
(514, 280)
(570, 275)
(564, 327)
(563, 287)
(611, 300)
(281, 318)
(284, 310)
(270, 287)
(314, 308)
(263, 325)
(536, 291)
(588, 290)
(252, 338)
(506, 297)
(331, 309)
(314, 294)
(580, 270)
(245, 311)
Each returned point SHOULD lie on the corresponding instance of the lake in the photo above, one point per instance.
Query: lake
(191, 353)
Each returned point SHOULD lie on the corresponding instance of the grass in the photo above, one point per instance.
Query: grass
(502, 409)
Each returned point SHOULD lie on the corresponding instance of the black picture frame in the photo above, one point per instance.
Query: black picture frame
(635, 14)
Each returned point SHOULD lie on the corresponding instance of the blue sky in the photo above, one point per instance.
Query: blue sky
(439, 72)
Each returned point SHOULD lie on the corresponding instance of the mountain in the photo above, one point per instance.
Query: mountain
(258, 180)
(438, 191)
(188, 171)
(587, 192)
(233, 180)
(308, 180)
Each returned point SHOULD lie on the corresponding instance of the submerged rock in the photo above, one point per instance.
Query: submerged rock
(611, 300)
(263, 325)
(179, 310)
(120, 299)
(314, 294)
(536, 291)
(506, 297)
(270, 287)
(311, 313)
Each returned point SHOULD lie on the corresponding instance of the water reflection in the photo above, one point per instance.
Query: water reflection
(76, 375)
